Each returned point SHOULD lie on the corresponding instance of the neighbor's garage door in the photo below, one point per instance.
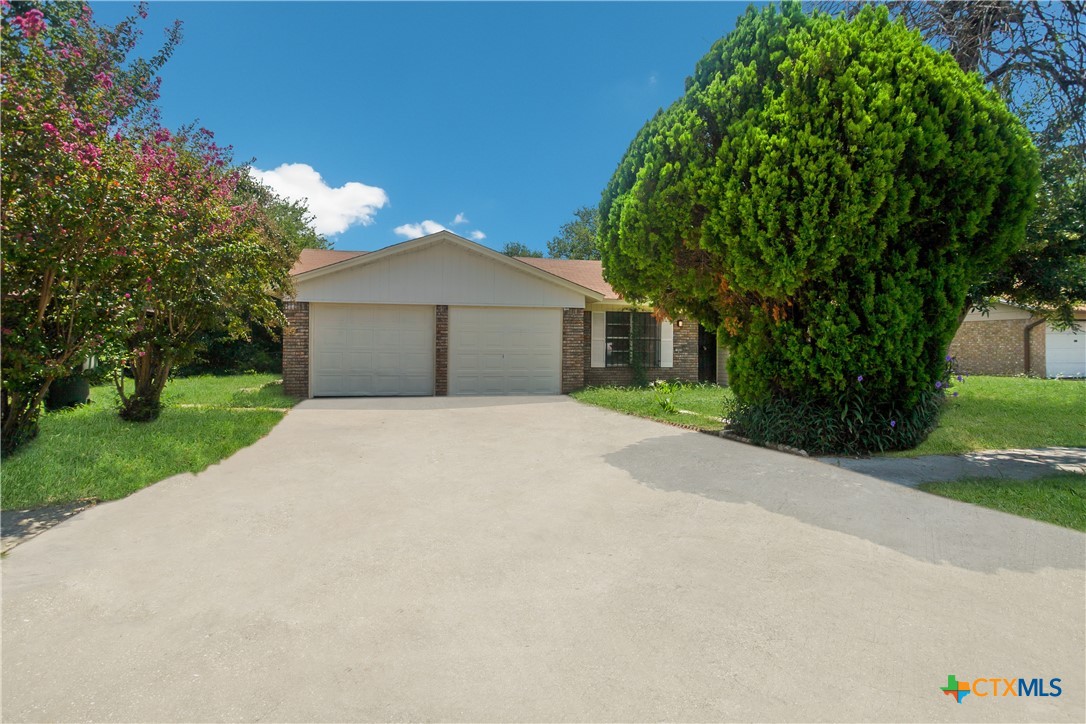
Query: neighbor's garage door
(370, 349)
(505, 351)
(1065, 353)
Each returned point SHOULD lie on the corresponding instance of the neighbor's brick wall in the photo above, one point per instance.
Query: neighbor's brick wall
(441, 350)
(685, 359)
(996, 347)
(296, 349)
(573, 350)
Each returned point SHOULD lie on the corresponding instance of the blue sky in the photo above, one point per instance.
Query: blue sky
(493, 118)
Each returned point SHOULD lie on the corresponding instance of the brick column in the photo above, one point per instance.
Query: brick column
(441, 350)
(296, 349)
(572, 350)
(685, 351)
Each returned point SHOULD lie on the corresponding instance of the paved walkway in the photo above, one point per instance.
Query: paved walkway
(1012, 464)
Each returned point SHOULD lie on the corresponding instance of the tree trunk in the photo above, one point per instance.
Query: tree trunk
(21, 411)
(150, 371)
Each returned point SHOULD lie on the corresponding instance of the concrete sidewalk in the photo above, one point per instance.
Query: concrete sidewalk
(1011, 464)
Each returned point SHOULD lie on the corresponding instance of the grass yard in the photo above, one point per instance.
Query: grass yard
(700, 405)
(1058, 499)
(990, 413)
(1002, 413)
(89, 452)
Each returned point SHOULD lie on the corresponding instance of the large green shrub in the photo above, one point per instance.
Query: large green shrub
(823, 194)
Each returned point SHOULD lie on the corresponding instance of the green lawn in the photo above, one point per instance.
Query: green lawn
(89, 452)
(990, 413)
(1001, 413)
(701, 405)
(1059, 499)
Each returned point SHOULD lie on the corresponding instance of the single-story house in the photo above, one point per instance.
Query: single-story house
(1013, 340)
(441, 315)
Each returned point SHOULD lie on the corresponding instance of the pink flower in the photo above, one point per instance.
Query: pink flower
(127, 295)
(32, 22)
(104, 79)
(49, 128)
(162, 135)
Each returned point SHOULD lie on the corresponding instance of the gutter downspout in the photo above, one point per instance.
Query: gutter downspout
(1026, 340)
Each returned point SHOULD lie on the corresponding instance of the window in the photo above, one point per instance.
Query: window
(635, 332)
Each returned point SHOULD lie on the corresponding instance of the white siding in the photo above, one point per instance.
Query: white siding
(441, 273)
(998, 312)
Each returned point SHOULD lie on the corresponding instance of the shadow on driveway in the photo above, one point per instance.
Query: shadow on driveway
(1010, 464)
(922, 526)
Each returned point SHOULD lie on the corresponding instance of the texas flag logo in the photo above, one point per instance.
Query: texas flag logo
(958, 689)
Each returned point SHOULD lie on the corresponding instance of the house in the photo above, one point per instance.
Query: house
(441, 315)
(1013, 340)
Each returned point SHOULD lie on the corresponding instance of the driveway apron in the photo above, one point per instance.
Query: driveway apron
(534, 559)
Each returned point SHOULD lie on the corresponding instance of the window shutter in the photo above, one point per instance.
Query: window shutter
(667, 344)
(599, 339)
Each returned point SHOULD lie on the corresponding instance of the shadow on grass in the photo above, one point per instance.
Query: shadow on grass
(269, 394)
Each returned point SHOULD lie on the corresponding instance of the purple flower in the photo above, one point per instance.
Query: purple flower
(948, 358)
(960, 378)
(893, 423)
(938, 385)
(954, 394)
(860, 378)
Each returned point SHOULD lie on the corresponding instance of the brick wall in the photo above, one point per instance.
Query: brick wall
(685, 359)
(996, 347)
(296, 349)
(573, 350)
(441, 350)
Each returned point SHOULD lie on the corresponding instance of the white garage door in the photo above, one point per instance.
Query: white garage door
(370, 349)
(1065, 353)
(504, 351)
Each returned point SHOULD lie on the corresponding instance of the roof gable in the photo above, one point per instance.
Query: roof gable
(440, 268)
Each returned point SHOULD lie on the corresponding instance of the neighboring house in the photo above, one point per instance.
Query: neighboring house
(441, 315)
(1012, 340)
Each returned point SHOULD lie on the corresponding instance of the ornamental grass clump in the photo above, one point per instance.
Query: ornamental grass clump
(823, 195)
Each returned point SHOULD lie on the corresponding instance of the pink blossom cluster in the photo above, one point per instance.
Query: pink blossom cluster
(31, 23)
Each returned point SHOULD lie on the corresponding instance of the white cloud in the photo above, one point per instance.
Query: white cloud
(414, 231)
(478, 235)
(460, 219)
(334, 209)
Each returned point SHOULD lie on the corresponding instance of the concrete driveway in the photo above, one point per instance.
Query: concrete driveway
(534, 559)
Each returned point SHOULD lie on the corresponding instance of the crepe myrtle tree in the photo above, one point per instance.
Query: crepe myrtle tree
(68, 190)
(200, 262)
(823, 194)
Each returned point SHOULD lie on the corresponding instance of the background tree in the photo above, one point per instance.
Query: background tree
(824, 194)
(288, 225)
(68, 190)
(515, 248)
(577, 238)
(1033, 54)
(202, 262)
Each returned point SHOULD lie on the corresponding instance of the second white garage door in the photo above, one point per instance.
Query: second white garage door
(1065, 353)
(371, 349)
(505, 351)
